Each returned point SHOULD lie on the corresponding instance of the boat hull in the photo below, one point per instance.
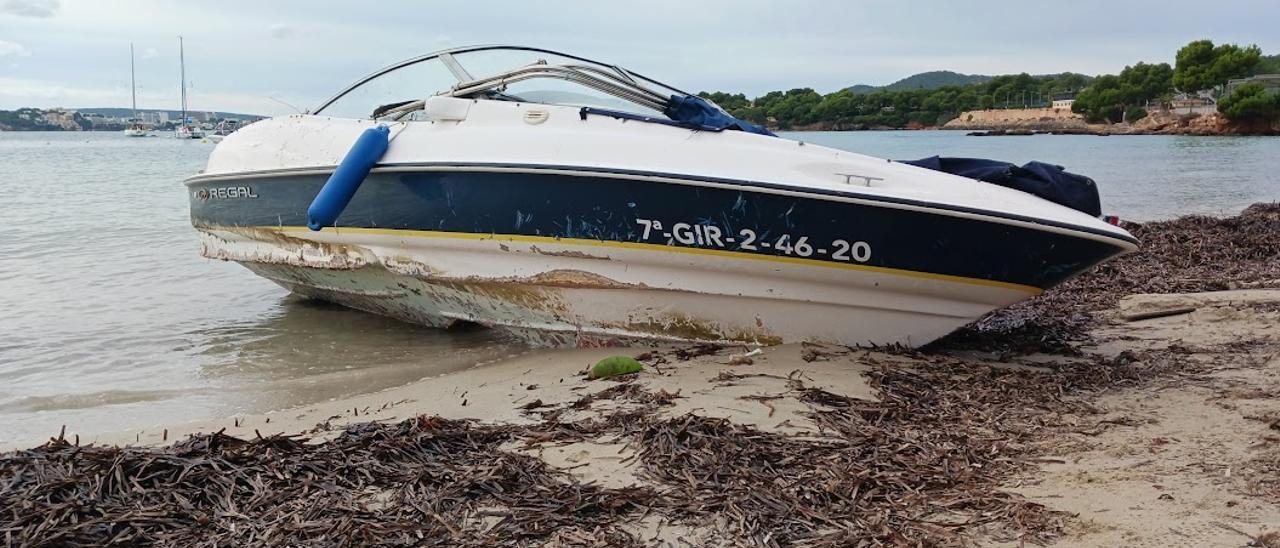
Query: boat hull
(576, 257)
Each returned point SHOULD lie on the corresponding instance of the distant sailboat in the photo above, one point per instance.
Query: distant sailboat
(136, 128)
(185, 130)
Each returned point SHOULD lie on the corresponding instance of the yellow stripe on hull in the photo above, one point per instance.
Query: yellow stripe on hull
(1031, 290)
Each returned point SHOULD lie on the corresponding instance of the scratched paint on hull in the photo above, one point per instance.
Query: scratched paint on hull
(688, 218)
(562, 302)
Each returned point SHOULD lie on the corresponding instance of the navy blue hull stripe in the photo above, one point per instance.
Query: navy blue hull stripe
(589, 170)
(625, 210)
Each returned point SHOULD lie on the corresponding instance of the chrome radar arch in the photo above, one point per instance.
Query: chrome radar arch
(466, 78)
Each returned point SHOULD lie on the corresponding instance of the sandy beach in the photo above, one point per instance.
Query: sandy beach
(1132, 406)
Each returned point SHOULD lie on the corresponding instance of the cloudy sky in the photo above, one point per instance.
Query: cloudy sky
(245, 55)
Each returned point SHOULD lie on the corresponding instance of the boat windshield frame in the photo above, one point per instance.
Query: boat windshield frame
(603, 77)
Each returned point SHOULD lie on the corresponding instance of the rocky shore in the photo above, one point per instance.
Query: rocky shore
(1133, 405)
(1063, 122)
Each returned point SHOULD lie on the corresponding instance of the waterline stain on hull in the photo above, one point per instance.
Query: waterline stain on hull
(584, 259)
(594, 208)
(562, 295)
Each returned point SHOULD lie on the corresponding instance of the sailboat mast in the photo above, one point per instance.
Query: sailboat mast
(133, 83)
(182, 67)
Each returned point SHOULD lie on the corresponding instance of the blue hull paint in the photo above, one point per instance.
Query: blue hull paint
(596, 207)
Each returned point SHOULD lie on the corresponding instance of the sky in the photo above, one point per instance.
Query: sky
(261, 56)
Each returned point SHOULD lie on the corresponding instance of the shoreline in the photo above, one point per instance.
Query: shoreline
(1132, 403)
(1101, 130)
(1064, 122)
(1019, 122)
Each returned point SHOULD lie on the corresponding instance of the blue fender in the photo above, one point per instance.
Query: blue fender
(342, 185)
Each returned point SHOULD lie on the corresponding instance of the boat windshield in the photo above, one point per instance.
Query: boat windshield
(504, 73)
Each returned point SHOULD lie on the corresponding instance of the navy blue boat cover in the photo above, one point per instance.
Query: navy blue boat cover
(1047, 181)
(698, 112)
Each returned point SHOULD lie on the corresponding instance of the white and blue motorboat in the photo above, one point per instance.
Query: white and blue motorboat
(574, 202)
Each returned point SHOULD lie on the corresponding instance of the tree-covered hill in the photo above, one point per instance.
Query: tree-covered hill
(934, 98)
(926, 80)
(846, 109)
(32, 119)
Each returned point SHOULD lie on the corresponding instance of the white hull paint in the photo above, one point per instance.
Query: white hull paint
(494, 133)
(617, 286)
(556, 293)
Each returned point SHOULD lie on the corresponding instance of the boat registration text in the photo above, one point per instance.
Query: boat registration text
(709, 235)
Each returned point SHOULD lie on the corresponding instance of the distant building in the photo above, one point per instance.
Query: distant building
(1192, 104)
(62, 118)
(1270, 82)
(1064, 101)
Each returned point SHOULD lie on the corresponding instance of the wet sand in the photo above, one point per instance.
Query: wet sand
(499, 393)
(1134, 406)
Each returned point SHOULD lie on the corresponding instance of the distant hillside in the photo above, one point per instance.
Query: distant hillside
(926, 80)
(173, 114)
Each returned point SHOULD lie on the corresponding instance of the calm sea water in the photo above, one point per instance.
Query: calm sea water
(110, 320)
(1140, 177)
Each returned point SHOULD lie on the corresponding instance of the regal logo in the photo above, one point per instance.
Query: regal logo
(225, 192)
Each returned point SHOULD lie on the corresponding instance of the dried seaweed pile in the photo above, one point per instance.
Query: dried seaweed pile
(922, 465)
(422, 482)
(878, 480)
(1193, 253)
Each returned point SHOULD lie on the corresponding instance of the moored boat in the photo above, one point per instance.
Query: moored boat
(188, 131)
(135, 128)
(185, 129)
(574, 202)
(223, 129)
